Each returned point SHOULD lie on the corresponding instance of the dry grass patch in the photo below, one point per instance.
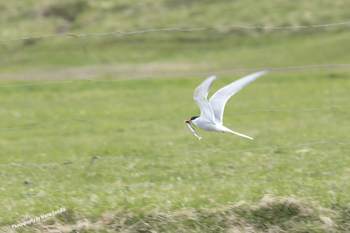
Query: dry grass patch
(270, 214)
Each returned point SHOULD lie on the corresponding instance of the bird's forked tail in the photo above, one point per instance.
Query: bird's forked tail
(230, 131)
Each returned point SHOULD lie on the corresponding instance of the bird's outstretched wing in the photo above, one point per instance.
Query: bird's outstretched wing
(200, 96)
(219, 99)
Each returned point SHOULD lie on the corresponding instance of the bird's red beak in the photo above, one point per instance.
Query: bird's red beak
(189, 121)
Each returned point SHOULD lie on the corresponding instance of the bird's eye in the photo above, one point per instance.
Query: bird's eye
(193, 118)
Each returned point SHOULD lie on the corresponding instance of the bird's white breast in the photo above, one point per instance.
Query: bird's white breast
(205, 125)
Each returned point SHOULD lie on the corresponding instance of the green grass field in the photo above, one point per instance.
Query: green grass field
(151, 173)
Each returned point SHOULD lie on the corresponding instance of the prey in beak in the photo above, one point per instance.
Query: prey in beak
(192, 129)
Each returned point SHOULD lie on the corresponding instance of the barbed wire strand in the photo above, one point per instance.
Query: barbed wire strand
(171, 118)
(28, 164)
(188, 152)
(232, 152)
(177, 186)
(174, 29)
(179, 75)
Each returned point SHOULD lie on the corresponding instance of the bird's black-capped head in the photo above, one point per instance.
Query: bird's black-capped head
(192, 118)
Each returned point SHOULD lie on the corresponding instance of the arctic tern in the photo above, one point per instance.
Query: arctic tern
(212, 112)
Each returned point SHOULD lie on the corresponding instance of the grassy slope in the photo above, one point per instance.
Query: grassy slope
(48, 17)
(76, 142)
(181, 208)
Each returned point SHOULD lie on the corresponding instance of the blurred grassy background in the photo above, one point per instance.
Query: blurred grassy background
(72, 144)
(50, 17)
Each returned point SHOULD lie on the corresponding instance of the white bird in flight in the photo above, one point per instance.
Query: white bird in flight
(212, 112)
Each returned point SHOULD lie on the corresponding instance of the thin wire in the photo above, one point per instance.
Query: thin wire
(296, 110)
(188, 152)
(173, 29)
(28, 164)
(231, 152)
(170, 119)
(177, 186)
(179, 74)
